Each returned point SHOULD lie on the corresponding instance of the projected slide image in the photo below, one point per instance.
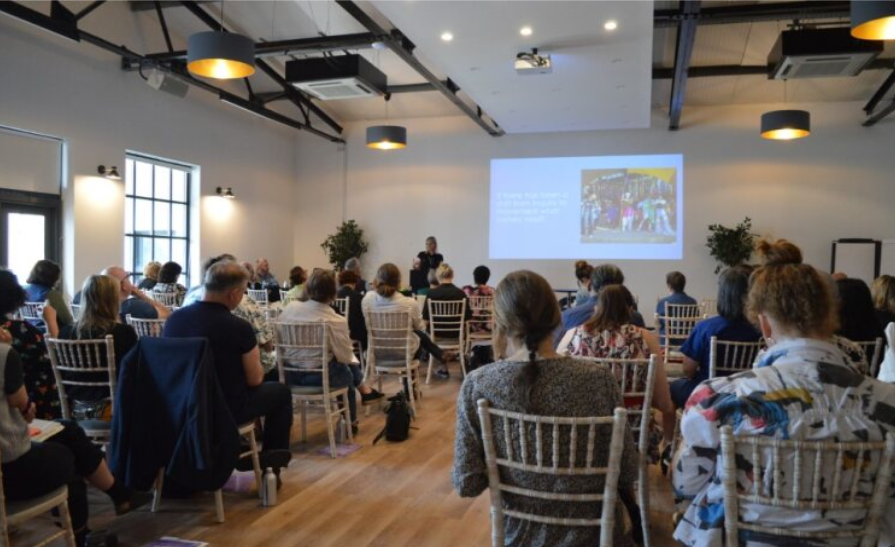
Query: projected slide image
(628, 205)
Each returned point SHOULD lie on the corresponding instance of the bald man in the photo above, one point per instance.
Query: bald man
(134, 302)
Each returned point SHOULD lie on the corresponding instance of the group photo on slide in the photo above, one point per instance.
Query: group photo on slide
(629, 205)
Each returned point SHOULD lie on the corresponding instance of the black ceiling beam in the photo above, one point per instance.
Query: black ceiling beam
(60, 21)
(316, 44)
(686, 38)
(880, 93)
(48, 23)
(667, 73)
(164, 25)
(294, 95)
(754, 13)
(89, 9)
(147, 5)
(873, 119)
(403, 48)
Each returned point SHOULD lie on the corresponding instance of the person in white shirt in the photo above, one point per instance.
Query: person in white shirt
(344, 370)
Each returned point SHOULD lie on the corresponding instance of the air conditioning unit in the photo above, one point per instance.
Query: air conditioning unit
(820, 53)
(337, 77)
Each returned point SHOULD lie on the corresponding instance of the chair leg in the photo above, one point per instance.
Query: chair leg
(65, 517)
(304, 421)
(157, 490)
(256, 462)
(463, 357)
(327, 411)
(643, 501)
(347, 413)
(429, 369)
(411, 385)
(219, 506)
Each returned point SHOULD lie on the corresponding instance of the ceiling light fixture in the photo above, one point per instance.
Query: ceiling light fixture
(386, 137)
(611, 24)
(220, 55)
(225, 192)
(110, 173)
(446, 36)
(785, 125)
(873, 20)
(525, 31)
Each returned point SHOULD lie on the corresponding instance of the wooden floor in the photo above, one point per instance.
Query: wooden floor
(391, 494)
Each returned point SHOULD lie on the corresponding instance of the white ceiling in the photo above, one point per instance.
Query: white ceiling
(600, 79)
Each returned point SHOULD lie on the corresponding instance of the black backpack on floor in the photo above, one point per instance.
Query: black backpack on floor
(397, 421)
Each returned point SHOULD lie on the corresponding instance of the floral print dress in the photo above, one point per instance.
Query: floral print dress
(803, 389)
(40, 383)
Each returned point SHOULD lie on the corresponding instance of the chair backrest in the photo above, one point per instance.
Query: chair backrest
(77, 357)
(420, 301)
(447, 318)
(341, 305)
(873, 350)
(167, 299)
(389, 335)
(259, 296)
(284, 295)
(564, 446)
(636, 379)
(146, 327)
(482, 320)
(308, 337)
(31, 311)
(677, 330)
(709, 307)
(826, 476)
(726, 357)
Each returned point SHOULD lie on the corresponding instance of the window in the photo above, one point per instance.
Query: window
(156, 214)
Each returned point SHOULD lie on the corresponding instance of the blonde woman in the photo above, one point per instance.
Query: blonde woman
(150, 275)
(884, 299)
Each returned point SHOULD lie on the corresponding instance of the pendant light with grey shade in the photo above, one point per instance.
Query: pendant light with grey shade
(873, 20)
(220, 55)
(386, 137)
(785, 125)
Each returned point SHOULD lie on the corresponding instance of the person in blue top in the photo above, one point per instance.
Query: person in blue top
(675, 281)
(41, 287)
(730, 325)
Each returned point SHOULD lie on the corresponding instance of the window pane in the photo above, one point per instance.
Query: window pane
(129, 177)
(143, 221)
(178, 252)
(129, 253)
(178, 183)
(178, 220)
(162, 182)
(144, 252)
(162, 218)
(25, 242)
(128, 216)
(162, 250)
(144, 179)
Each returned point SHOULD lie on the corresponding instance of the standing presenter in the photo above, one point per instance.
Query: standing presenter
(430, 259)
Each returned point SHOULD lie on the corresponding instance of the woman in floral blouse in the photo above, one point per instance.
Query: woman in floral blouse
(29, 344)
(805, 389)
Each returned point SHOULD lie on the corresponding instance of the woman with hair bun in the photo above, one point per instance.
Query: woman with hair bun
(805, 388)
(533, 378)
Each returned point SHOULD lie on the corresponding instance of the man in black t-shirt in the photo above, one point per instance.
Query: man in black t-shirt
(237, 358)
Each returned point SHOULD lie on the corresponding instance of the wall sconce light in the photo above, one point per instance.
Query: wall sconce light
(110, 173)
(225, 192)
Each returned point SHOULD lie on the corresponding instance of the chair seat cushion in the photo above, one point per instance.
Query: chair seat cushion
(307, 390)
(20, 511)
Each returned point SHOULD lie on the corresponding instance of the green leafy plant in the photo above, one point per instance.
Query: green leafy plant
(347, 242)
(731, 246)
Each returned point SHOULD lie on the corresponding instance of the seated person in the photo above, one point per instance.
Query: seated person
(446, 291)
(150, 275)
(99, 317)
(354, 265)
(804, 389)
(266, 280)
(133, 301)
(602, 275)
(297, 278)
(167, 281)
(357, 327)
(583, 271)
(730, 325)
(480, 276)
(34, 469)
(857, 314)
(237, 359)
(343, 368)
(432, 279)
(418, 278)
(675, 281)
(41, 287)
(884, 299)
(533, 378)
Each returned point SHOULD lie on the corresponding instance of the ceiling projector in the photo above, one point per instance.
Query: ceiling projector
(532, 63)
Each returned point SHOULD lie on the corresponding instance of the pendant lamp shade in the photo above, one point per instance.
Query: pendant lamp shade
(220, 55)
(784, 125)
(873, 20)
(386, 137)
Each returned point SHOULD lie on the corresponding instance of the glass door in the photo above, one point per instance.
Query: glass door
(27, 234)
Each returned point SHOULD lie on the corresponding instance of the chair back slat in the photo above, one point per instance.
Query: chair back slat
(341, 305)
(31, 312)
(389, 335)
(480, 326)
(709, 307)
(447, 318)
(873, 352)
(309, 339)
(727, 358)
(146, 327)
(259, 296)
(167, 299)
(561, 432)
(843, 476)
(77, 357)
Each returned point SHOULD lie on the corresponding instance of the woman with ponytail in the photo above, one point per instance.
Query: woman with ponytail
(533, 378)
(804, 388)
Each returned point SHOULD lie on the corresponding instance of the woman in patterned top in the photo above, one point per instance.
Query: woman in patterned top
(534, 379)
(807, 389)
(480, 275)
(27, 340)
(167, 283)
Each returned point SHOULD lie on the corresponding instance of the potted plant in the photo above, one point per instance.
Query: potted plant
(347, 242)
(731, 246)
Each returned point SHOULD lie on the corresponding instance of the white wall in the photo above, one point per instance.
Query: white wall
(836, 183)
(78, 92)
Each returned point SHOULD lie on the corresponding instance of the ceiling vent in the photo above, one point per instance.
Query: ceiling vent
(336, 77)
(820, 53)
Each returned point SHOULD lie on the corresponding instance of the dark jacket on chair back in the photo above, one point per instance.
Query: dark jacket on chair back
(170, 412)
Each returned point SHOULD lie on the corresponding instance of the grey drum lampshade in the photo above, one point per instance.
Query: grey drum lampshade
(785, 124)
(386, 137)
(873, 20)
(220, 55)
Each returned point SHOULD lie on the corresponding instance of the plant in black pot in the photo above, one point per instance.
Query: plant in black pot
(731, 246)
(347, 242)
